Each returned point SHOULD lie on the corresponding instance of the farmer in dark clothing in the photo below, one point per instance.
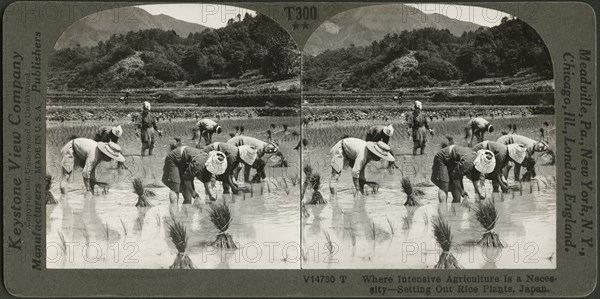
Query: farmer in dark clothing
(477, 127)
(532, 146)
(262, 149)
(454, 162)
(245, 154)
(108, 133)
(185, 163)
(205, 128)
(503, 154)
(420, 128)
(380, 133)
(148, 129)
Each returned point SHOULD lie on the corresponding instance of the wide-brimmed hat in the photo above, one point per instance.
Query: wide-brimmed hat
(146, 105)
(117, 131)
(381, 150)
(112, 150)
(271, 148)
(485, 162)
(389, 130)
(216, 162)
(517, 152)
(248, 153)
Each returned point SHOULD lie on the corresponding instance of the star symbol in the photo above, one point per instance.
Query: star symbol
(305, 25)
(295, 26)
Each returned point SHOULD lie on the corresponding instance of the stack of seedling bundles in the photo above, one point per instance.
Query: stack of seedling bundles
(179, 237)
(443, 236)
(142, 193)
(487, 214)
(220, 216)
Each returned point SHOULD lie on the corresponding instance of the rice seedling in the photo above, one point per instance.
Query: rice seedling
(179, 237)
(487, 215)
(390, 224)
(443, 236)
(329, 243)
(63, 243)
(407, 188)
(106, 231)
(124, 226)
(373, 231)
(86, 234)
(353, 237)
(314, 181)
(142, 193)
(50, 199)
(220, 216)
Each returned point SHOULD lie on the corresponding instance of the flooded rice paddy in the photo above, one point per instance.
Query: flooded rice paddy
(372, 231)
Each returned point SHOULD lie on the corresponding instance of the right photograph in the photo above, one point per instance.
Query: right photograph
(428, 141)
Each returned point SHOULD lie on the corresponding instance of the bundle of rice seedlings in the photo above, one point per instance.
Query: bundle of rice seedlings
(285, 127)
(142, 193)
(314, 181)
(179, 237)
(50, 200)
(221, 217)
(407, 188)
(374, 185)
(442, 233)
(105, 186)
(487, 214)
(273, 126)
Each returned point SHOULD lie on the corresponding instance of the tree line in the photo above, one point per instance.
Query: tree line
(157, 58)
(429, 56)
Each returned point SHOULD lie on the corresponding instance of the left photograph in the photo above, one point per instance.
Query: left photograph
(172, 141)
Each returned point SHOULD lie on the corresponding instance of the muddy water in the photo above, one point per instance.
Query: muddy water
(119, 235)
(377, 231)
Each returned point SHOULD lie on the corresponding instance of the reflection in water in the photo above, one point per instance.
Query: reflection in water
(404, 235)
(121, 235)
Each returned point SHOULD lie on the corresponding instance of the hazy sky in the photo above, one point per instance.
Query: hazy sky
(210, 15)
(216, 16)
(481, 16)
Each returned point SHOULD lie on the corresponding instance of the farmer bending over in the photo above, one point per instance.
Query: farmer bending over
(87, 154)
(185, 163)
(381, 133)
(532, 147)
(355, 153)
(504, 154)
(205, 128)
(477, 127)
(454, 162)
(262, 148)
(108, 134)
(246, 154)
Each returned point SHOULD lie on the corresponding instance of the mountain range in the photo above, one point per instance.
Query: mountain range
(88, 32)
(362, 26)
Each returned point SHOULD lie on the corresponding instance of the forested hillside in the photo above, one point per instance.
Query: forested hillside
(158, 58)
(430, 57)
